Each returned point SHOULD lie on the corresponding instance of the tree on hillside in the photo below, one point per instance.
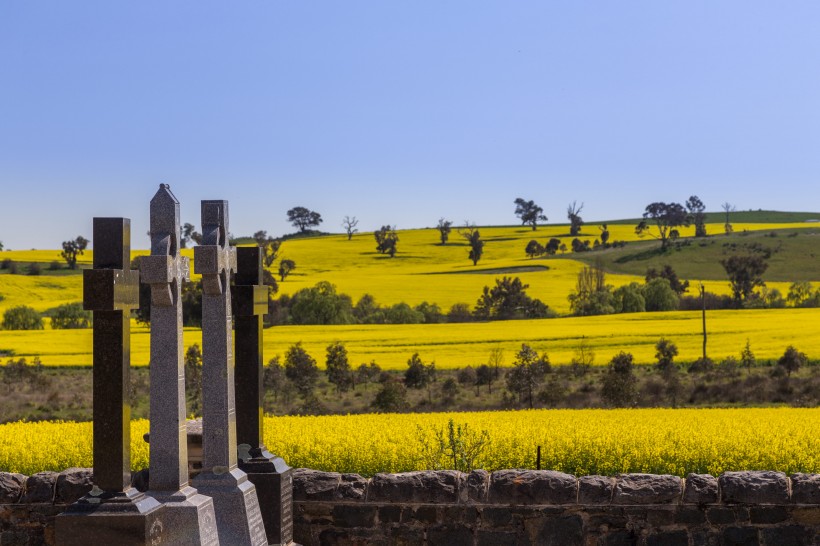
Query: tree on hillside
(745, 274)
(697, 216)
(659, 295)
(1, 246)
(528, 372)
(666, 217)
(285, 267)
(187, 235)
(386, 240)
(508, 300)
(727, 209)
(269, 245)
(553, 245)
(321, 304)
(792, 360)
(534, 249)
(592, 296)
(303, 218)
(338, 367)
(444, 227)
(72, 249)
(574, 217)
(665, 353)
(350, 226)
(529, 213)
(301, 369)
(604, 234)
(619, 387)
(668, 273)
(473, 237)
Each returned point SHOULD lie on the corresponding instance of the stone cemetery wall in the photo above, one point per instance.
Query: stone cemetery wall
(505, 507)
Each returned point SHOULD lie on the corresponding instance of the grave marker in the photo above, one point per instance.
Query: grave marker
(237, 508)
(271, 476)
(113, 512)
(190, 516)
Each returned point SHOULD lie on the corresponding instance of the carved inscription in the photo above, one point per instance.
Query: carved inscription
(255, 523)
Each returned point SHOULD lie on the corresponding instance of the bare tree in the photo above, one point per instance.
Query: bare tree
(350, 226)
(574, 217)
(444, 227)
(529, 212)
(727, 208)
(470, 232)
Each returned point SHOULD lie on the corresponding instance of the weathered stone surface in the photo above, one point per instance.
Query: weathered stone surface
(757, 487)
(700, 489)
(451, 535)
(477, 484)
(806, 488)
(768, 514)
(532, 487)
(426, 486)
(740, 536)
(353, 487)
(315, 485)
(40, 488)
(565, 531)
(595, 489)
(672, 538)
(647, 489)
(352, 515)
(496, 538)
(790, 535)
(72, 484)
(11, 487)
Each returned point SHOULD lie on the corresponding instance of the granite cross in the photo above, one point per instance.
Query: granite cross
(113, 512)
(271, 476)
(237, 506)
(190, 516)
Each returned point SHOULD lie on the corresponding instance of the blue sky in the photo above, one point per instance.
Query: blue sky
(402, 111)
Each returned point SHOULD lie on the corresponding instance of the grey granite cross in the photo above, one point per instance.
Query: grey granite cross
(237, 507)
(271, 476)
(113, 512)
(190, 516)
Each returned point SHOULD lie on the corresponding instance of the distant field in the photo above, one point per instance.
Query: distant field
(458, 345)
(425, 270)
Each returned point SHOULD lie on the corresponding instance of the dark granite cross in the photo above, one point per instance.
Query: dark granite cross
(271, 476)
(111, 291)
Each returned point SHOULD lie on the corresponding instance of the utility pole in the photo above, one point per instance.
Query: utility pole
(703, 307)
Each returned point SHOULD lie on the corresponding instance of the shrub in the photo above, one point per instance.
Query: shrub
(660, 296)
(34, 268)
(22, 317)
(459, 312)
(391, 398)
(792, 360)
(70, 315)
(54, 265)
(702, 365)
(619, 387)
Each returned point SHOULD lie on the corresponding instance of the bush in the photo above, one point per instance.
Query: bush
(34, 268)
(459, 312)
(659, 295)
(54, 265)
(22, 317)
(70, 315)
(391, 398)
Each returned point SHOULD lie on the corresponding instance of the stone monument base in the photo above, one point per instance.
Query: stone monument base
(189, 518)
(130, 518)
(238, 517)
(273, 479)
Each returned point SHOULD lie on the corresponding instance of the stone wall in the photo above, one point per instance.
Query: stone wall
(506, 507)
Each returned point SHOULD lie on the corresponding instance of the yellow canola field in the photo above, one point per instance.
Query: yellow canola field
(770, 331)
(579, 442)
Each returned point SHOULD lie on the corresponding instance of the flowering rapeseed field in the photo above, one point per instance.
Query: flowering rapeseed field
(579, 442)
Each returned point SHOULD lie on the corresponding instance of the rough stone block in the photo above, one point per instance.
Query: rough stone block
(352, 487)
(720, 515)
(789, 535)
(806, 488)
(807, 516)
(754, 487)
(740, 536)
(672, 538)
(621, 537)
(11, 487)
(768, 514)
(700, 489)
(440, 486)
(40, 488)
(532, 487)
(565, 531)
(496, 538)
(351, 515)
(315, 485)
(477, 484)
(389, 514)
(451, 535)
(595, 489)
(424, 514)
(647, 489)
(72, 484)
(406, 536)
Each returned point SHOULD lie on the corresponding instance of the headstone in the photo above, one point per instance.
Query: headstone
(113, 512)
(237, 508)
(271, 476)
(189, 516)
